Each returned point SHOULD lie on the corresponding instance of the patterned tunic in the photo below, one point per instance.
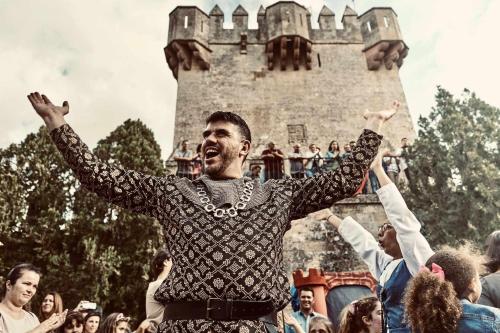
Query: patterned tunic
(237, 257)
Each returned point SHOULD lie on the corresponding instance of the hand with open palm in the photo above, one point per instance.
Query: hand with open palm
(52, 115)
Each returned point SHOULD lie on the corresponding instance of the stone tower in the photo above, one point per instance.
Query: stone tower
(290, 82)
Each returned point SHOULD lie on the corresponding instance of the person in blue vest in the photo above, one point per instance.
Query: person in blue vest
(442, 296)
(395, 257)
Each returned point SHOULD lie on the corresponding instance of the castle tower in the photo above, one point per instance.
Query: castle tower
(293, 83)
(290, 82)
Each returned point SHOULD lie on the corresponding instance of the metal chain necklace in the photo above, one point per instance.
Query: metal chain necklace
(232, 211)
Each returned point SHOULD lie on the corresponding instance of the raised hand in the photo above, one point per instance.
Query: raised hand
(326, 214)
(52, 115)
(383, 115)
(53, 322)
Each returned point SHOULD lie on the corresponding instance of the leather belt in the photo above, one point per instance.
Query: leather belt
(221, 310)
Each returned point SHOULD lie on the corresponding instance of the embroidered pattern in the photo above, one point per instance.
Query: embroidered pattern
(238, 257)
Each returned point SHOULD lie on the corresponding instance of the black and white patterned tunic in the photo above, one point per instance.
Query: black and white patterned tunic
(237, 257)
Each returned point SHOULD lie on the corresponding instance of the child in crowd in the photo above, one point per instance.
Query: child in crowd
(362, 316)
(115, 323)
(491, 283)
(441, 297)
(72, 324)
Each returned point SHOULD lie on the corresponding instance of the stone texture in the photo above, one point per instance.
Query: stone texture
(319, 85)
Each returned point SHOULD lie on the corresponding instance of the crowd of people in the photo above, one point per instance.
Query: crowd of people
(418, 290)
(225, 233)
(302, 164)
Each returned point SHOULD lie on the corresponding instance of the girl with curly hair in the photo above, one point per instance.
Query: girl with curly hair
(362, 316)
(115, 323)
(441, 297)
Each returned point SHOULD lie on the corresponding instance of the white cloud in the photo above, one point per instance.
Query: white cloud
(107, 57)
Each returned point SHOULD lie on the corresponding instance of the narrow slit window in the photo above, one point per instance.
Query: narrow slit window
(186, 21)
(386, 22)
(369, 26)
(319, 60)
(202, 26)
(301, 23)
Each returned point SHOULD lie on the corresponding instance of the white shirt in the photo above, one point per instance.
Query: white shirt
(23, 325)
(414, 247)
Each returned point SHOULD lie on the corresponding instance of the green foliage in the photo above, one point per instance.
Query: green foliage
(455, 170)
(87, 249)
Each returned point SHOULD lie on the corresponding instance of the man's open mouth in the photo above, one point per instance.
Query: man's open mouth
(211, 153)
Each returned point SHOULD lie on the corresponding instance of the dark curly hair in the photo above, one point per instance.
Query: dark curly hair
(433, 305)
(351, 317)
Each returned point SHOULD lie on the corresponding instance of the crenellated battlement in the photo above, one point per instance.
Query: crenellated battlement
(285, 29)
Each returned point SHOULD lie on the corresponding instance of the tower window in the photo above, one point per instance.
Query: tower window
(201, 25)
(319, 60)
(301, 23)
(369, 26)
(386, 22)
(186, 21)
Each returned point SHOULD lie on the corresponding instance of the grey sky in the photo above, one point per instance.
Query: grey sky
(106, 57)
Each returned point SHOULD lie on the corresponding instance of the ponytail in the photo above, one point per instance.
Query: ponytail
(432, 301)
(351, 317)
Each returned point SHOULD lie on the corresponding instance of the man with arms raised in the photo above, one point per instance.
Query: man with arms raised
(224, 231)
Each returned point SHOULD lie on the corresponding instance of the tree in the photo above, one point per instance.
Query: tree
(87, 249)
(455, 169)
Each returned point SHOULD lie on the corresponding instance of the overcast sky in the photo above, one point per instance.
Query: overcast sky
(106, 57)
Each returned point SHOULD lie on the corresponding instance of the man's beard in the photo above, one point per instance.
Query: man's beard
(227, 156)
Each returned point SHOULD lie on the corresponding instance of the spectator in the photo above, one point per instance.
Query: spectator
(91, 322)
(352, 144)
(73, 323)
(296, 162)
(403, 155)
(490, 294)
(392, 167)
(52, 303)
(332, 156)
(197, 163)
(321, 325)
(115, 323)
(347, 151)
(184, 156)
(86, 307)
(254, 172)
(305, 313)
(362, 316)
(441, 297)
(314, 160)
(404, 248)
(160, 268)
(273, 162)
(20, 286)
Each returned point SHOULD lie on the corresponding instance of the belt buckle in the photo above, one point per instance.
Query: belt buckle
(212, 306)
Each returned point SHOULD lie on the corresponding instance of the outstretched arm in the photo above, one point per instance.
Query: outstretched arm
(362, 241)
(321, 191)
(126, 188)
(414, 247)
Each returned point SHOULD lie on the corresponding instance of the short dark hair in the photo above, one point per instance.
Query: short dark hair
(306, 289)
(232, 118)
(72, 315)
(16, 272)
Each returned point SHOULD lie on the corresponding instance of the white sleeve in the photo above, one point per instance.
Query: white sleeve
(414, 247)
(365, 245)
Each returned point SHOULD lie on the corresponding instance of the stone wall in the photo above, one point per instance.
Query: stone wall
(313, 244)
(325, 103)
